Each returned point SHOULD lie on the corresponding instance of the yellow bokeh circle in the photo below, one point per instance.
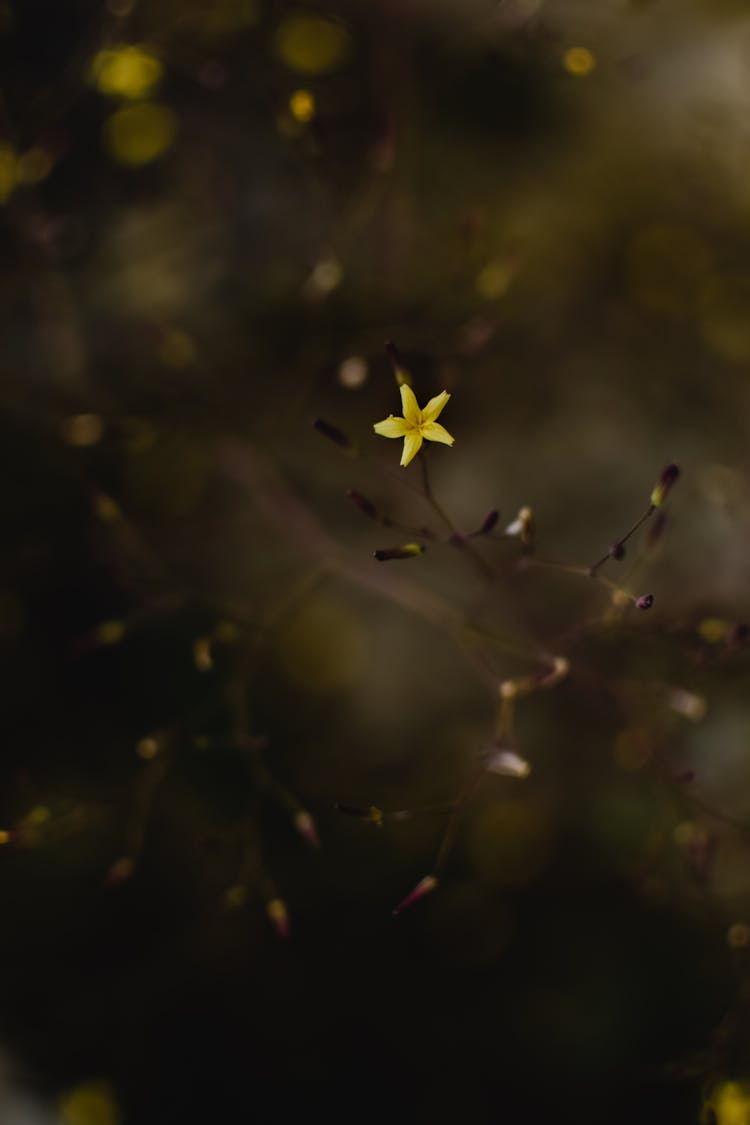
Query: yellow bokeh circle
(127, 71)
(139, 134)
(579, 61)
(312, 44)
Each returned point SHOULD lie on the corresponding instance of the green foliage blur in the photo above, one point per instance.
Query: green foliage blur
(213, 216)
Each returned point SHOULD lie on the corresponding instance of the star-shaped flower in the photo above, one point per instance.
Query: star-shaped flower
(416, 424)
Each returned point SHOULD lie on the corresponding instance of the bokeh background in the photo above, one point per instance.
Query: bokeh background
(213, 216)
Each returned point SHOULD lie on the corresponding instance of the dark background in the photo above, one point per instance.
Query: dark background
(563, 242)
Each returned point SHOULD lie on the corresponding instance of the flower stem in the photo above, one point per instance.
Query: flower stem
(623, 539)
(456, 539)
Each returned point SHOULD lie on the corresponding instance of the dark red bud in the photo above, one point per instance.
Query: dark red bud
(333, 433)
(669, 476)
(666, 481)
(645, 601)
(393, 354)
(399, 370)
(352, 810)
(365, 506)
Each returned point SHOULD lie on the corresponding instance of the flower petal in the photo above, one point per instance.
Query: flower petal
(433, 431)
(410, 405)
(412, 446)
(432, 411)
(392, 427)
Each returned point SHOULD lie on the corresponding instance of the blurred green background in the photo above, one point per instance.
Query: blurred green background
(213, 215)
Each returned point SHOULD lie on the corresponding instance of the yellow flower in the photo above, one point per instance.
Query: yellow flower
(416, 424)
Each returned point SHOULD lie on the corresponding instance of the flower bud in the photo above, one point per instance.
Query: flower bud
(667, 479)
(372, 813)
(645, 601)
(394, 355)
(489, 522)
(423, 887)
(334, 434)
(351, 810)
(617, 551)
(406, 551)
(365, 506)
(305, 825)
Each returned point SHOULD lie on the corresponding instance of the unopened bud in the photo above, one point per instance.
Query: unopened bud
(351, 810)
(334, 434)
(617, 551)
(406, 551)
(278, 916)
(372, 813)
(645, 601)
(490, 521)
(305, 825)
(365, 506)
(394, 355)
(423, 887)
(667, 479)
